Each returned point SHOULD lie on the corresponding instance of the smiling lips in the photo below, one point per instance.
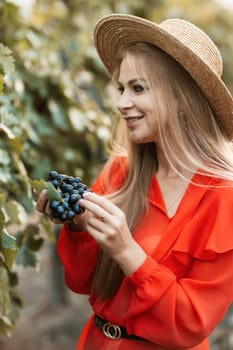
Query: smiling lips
(131, 121)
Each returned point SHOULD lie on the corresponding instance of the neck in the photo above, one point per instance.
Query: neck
(164, 168)
(166, 171)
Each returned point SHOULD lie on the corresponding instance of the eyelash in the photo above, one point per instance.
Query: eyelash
(137, 88)
(121, 89)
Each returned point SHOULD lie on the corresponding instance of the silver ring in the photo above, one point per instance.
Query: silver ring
(104, 215)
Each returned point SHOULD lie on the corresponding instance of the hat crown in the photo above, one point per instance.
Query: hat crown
(197, 41)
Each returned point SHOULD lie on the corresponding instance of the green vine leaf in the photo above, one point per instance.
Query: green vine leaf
(26, 257)
(9, 248)
(48, 228)
(32, 238)
(2, 220)
(6, 59)
(1, 83)
(14, 212)
(14, 141)
(53, 194)
(39, 185)
(8, 241)
(10, 256)
(2, 199)
(4, 293)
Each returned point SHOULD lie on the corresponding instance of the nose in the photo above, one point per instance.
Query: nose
(124, 102)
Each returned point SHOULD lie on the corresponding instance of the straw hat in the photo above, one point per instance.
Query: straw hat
(182, 40)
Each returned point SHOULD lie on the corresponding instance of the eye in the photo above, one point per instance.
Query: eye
(121, 89)
(138, 88)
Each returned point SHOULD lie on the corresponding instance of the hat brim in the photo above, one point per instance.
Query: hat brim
(115, 32)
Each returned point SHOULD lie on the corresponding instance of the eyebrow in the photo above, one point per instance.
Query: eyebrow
(132, 81)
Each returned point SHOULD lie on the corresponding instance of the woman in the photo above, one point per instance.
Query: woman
(154, 247)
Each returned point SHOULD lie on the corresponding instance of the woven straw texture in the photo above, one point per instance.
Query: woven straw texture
(182, 40)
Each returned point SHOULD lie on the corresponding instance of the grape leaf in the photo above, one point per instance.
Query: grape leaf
(1, 83)
(8, 241)
(15, 212)
(32, 238)
(48, 227)
(16, 144)
(26, 257)
(5, 325)
(13, 140)
(2, 220)
(52, 193)
(6, 60)
(2, 199)
(9, 248)
(10, 256)
(37, 186)
(4, 295)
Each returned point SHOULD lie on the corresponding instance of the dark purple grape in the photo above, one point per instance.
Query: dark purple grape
(74, 198)
(75, 192)
(53, 175)
(66, 196)
(60, 177)
(76, 208)
(67, 188)
(53, 204)
(81, 191)
(55, 183)
(76, 185)
(62, 186)
(66, 205)
(60, 209)
(70, 215)
(69, 179)
(63, 216)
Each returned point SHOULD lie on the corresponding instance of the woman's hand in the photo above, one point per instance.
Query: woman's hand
(42, 206)
(107, 224)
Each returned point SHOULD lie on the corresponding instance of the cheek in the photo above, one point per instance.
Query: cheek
(160, 113)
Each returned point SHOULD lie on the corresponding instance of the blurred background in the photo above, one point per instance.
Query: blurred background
(56, 112)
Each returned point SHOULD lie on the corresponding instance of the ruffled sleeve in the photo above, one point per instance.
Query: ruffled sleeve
(184, 294)
(78, 251)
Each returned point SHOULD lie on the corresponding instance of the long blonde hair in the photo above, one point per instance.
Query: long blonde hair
(191, 140)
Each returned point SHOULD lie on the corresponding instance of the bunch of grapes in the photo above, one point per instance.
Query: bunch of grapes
(71, 189)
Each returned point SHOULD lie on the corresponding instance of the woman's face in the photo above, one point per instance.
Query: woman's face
(137, 104)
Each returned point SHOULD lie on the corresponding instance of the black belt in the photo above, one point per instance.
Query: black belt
(113, 331)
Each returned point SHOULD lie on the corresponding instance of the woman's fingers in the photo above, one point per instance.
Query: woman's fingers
(42, 201)
(99, 205)
(42, 205)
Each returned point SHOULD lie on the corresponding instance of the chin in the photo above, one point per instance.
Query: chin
(140, 140)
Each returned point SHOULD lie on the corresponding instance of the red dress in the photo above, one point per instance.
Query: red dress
(181, 292)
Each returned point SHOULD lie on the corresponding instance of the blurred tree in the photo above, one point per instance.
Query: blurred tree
(56, 109)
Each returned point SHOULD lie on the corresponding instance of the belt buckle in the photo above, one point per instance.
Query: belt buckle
(112, 331)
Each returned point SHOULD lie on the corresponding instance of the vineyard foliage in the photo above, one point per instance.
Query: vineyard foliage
(57, 111)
